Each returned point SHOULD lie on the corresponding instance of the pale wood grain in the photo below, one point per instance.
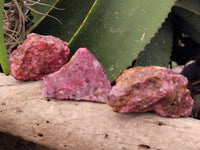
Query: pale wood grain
(80, 125)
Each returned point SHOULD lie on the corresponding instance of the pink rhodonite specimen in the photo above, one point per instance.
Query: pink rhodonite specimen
(82, 78)
(151, 88)
(38, 56)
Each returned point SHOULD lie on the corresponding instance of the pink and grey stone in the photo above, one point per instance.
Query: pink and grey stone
(82, 78)
(38, 56)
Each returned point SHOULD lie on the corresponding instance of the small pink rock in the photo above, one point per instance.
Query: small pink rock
(142, 89)
(178, 102)
(38, 56)
(82, 78)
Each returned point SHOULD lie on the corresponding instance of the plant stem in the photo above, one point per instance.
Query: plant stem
(3, 54)
(83, 23)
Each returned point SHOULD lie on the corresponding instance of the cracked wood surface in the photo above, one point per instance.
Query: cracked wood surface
(74, 125)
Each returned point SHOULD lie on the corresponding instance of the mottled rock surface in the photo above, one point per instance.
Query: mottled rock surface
(38, 56)
(151, 88)
(82, 78)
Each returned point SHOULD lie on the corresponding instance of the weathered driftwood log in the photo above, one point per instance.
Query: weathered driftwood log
(87, 125)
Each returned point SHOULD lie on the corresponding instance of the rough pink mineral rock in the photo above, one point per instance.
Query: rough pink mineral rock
(38, 56)
(82, 78)
(151, 88)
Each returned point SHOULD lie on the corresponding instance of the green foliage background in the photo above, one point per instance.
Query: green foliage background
(114, 31)
(117, 32)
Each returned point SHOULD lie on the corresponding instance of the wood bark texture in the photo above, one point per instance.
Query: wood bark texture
(81, 125)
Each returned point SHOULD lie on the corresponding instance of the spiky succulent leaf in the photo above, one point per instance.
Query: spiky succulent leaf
(189, 12)
(158, 51)
(116, 31)
(190, 5)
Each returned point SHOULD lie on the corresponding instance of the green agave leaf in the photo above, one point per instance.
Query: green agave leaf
(189, 11)
(71, 16)
(190, 5)
(40, 11)
(117, 30)
(3, 54)
(158, 52)
(191, 22)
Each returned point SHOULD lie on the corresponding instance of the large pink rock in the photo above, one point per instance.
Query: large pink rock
(38, 56)
(82, 78)
(151, 88)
